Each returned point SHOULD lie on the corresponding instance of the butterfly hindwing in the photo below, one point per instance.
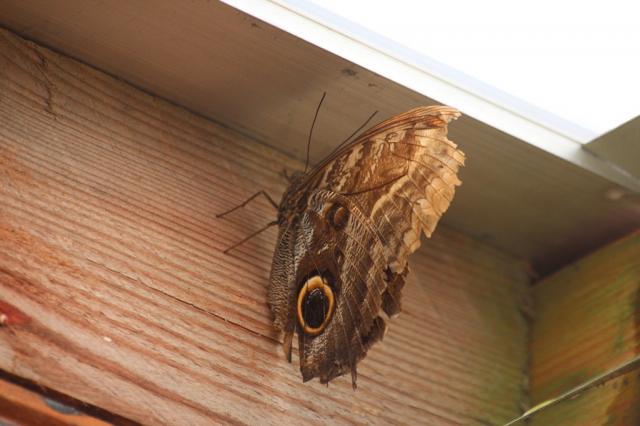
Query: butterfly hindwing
(340, 245)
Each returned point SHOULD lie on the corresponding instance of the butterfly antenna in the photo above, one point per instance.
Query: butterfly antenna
(306, 164)
(354, 133)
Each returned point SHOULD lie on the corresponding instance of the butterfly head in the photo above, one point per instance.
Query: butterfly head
(294, 198)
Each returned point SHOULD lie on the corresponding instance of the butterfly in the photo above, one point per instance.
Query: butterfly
(346, 229)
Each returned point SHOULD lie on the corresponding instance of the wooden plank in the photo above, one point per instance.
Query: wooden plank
(614, 402)
(266, 83)
(21, 406)
(587, 322)
(116, 291)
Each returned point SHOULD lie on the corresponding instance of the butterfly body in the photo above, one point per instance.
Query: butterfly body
(346, 229)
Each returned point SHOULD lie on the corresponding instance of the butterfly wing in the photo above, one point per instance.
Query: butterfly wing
(353, 221)
(403, 174)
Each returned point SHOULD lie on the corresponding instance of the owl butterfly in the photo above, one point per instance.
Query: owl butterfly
(346, 229)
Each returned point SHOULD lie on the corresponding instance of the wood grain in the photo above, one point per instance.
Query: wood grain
(587, 322)
(116, 291)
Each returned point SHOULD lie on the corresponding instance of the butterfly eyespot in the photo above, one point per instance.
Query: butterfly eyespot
(315, 305)
(338, 216)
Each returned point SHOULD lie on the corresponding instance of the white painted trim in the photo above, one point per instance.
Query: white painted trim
(434, 80)
(620, 147)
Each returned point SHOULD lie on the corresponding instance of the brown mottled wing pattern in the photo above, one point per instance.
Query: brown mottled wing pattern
(390, 185)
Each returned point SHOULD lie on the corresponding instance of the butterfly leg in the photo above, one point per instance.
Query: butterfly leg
(245, 239)
(286, 175)
(286, 345)
(247, 201)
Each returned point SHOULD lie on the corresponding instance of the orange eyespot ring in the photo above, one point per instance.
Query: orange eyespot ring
(315, 305)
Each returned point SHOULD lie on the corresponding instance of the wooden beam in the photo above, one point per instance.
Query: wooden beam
(116, 291)
(588, 323)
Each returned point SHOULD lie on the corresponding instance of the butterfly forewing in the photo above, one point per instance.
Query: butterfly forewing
(353, 220)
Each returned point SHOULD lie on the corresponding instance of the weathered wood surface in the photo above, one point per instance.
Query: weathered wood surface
(116, 291)
(587, 322)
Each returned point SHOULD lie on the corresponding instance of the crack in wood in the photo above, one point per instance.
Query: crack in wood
(182, 301)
